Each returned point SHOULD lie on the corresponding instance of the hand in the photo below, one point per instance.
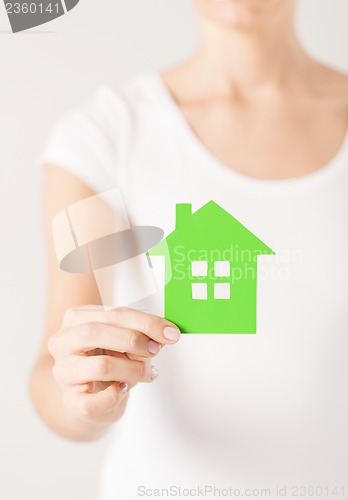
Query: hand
(99, 355)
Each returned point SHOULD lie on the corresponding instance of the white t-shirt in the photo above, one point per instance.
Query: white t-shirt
(242, 411)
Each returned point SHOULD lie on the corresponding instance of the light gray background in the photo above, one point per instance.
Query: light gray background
(44, 73)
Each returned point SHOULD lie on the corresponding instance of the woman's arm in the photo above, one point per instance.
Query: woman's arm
(88, 359)
(63, 291)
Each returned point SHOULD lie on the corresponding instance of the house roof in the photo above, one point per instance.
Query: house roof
(210, 225)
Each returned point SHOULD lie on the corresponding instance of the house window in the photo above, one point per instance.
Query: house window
(222, 289)
(199, 268)
(222, 268)
(199, 291)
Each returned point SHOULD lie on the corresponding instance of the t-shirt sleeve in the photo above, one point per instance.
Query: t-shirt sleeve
(87, 141)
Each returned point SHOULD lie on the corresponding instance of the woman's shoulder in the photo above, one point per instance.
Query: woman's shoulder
(112, 108)
(333, 83)
(107, 113)
(128, 92)
(96, 134)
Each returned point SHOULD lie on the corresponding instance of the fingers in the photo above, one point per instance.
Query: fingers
(93, 335)
(155, 327)
(91, 405)
(119, 344)
(79, 370)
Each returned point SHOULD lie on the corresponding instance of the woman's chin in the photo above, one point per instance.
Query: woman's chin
(240, 17)
(239, 14)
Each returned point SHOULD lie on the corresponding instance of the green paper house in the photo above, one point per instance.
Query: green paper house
(210, 271)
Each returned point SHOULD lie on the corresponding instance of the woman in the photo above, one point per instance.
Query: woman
(254, 123)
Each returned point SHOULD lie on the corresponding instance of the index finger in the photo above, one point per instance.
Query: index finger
(155, 327)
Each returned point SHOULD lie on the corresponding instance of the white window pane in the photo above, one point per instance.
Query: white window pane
(222, 291)
(199, 268)
(222, 268)
(199, 291)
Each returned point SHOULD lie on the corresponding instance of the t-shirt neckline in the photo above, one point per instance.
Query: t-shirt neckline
(210, 161)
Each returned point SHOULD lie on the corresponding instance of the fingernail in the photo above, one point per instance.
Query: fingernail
(154, 373)
(153, 347)
(123, 387)
(171, 333)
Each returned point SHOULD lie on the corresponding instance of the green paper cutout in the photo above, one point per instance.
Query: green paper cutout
(215, 245)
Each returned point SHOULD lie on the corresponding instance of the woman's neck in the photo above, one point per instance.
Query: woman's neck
(244, 63)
